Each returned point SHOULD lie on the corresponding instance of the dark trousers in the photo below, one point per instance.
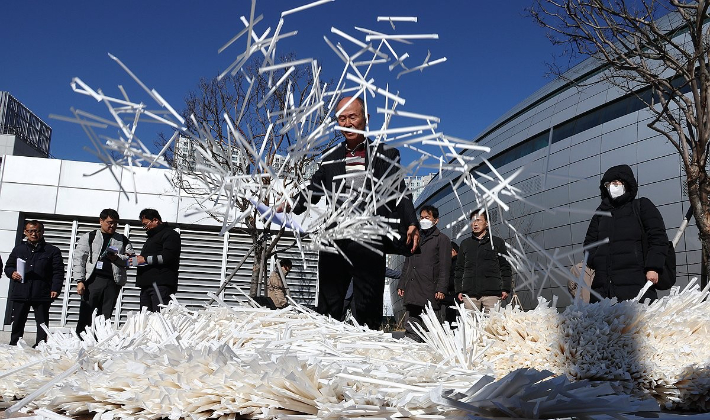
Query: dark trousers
(151, 298)
(101, 294)
(413, 315)
(367, 273)
(20, 310)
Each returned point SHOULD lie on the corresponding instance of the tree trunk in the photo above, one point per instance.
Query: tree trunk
(256, 271)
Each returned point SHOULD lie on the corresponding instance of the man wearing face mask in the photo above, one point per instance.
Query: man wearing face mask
(425, 275)
(624, 264)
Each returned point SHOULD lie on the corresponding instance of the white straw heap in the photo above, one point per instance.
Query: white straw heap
(223, 362)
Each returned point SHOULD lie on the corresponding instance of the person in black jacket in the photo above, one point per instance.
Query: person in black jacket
(39, 286)
(356, 157)
(425, 276)
(482, 272)
(621, 265)
(158, 262)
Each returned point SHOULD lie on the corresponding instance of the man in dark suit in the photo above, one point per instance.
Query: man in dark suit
(349, 168)
(36, 282)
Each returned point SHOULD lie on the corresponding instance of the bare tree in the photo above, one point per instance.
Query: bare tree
(240, 129)
(663, 45)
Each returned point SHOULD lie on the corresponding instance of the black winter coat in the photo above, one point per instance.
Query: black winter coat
(162, 251)
(427, 271)
(328, 178)
(482, 270)
(620, 265)
(44, 272)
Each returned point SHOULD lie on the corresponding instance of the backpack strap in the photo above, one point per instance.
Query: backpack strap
(92, 236)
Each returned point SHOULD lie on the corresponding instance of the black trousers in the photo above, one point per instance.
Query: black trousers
(413, 315)
(101, 293)
(20, 311)
(367, 273)
(152, 298)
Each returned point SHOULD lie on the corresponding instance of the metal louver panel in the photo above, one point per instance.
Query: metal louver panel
(202, 267)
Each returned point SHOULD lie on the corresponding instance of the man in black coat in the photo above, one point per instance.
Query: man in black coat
(158, 262)
(40, 283)
(345, 169)
(482, 272)
(621, 265)
(425, 276)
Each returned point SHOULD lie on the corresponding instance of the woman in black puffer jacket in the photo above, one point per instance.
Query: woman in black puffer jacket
(621, 268)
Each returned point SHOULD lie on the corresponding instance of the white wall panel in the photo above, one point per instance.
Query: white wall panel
(25, 170)
(84, 202)
(27, 197)
(89, 175)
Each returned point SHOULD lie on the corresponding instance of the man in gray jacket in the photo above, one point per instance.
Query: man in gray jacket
(99, 267)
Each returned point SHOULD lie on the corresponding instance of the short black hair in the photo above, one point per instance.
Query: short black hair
(455, 246)
(430, 209)
(34, 223)
(105, 213)
(481, 211)
(285, 262)
(150, 214)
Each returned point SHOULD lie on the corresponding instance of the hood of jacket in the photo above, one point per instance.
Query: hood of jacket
(625, 174)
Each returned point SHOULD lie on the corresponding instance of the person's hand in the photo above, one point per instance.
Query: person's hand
(111, 256)
(53, 295)
(504, 295)
(80, 288)
(400, 292)
(460, 296)
(16, 276)
(652, 276)
(413, 237)
(439, 296)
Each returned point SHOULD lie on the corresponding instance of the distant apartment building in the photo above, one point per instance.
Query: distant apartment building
(22, 133)
(416, 184)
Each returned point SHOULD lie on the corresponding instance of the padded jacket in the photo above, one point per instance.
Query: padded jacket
(620, 265)
(482, 269)
(44, 272)
(162, 253)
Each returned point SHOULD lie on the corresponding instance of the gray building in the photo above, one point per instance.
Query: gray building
(564, 137)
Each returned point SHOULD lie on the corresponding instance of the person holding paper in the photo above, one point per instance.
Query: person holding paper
(99, 268)
(39, 284)
(158, 262)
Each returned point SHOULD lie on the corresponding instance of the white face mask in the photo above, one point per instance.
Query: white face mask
(616, 191)
(426, 224)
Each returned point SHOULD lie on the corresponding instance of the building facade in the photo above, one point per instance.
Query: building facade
(564, 137)
(61, 195)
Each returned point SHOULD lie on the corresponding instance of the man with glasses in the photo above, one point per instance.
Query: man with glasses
(158, 262)
(36, 269)
(353, 168)
(99, 267)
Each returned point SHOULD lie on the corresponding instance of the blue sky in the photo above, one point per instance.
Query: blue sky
(496, 56)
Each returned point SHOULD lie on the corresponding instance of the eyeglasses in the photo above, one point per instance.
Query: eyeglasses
(113, 223)
(33, 231)
(614, 182)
